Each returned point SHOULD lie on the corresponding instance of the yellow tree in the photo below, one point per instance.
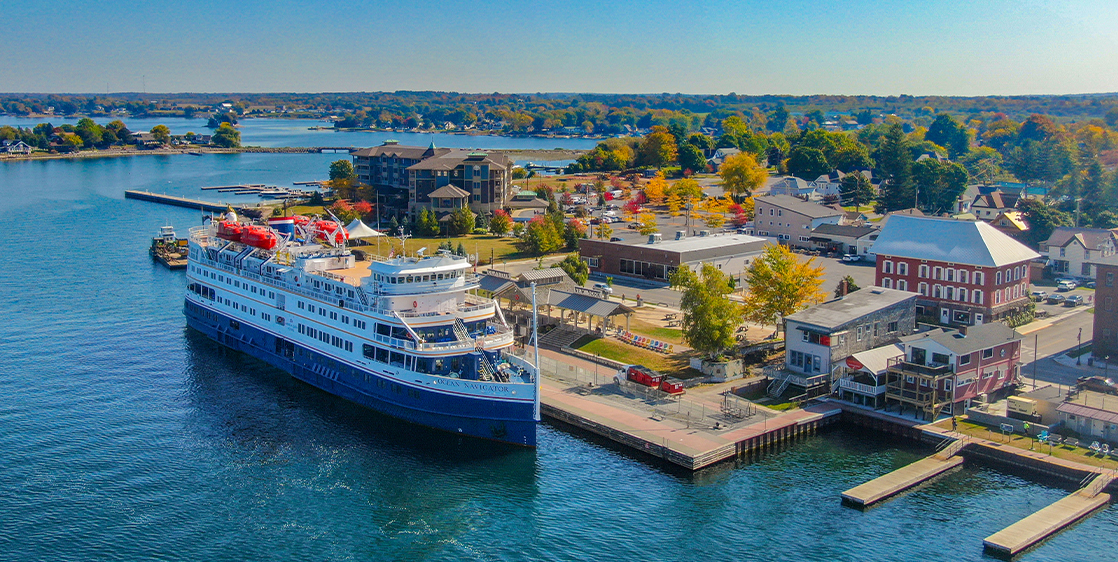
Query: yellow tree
(741, 174)
(646, 223)
(656, 189)
(714, 220)
(748, 207)
(674, 204)
(604, 231)
(780, 284)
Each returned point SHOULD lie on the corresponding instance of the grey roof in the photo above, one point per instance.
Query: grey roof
(692, 243)
(799, 206)
(1107, 416)
(977, 338)
(582, 302)
(1090, 238)
(949, 240)
(398, 151)
(551, 274)
(841, 311)
(449, 192)
(843, 230)
(492, 283)
(996, 200)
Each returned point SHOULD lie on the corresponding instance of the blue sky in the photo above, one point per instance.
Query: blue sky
(882, 47)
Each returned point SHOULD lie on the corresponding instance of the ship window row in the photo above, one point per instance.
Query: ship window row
(326, 313)
(326, 337)
(202, 290)
(427, 365)
(236, 283)
(398, 279)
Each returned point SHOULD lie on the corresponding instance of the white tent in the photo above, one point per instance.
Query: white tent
(358, 229)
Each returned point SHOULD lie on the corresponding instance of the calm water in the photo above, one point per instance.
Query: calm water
(127, 437)
(295, 132)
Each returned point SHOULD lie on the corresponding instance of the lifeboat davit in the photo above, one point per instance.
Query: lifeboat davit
(301, 220)
(259, 237)
(330, 231)
(230, 230)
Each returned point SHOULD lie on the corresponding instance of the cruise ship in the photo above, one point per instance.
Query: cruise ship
(402, 335)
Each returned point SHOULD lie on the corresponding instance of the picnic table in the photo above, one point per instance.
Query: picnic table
(670, 316)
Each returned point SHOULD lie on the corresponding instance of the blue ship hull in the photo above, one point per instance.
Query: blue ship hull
(504, 421)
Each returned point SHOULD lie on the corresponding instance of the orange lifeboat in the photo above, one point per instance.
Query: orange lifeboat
(329, 231)
(301, 220)
(229, 230)
(259, 237)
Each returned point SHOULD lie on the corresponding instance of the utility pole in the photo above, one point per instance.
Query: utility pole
(1036, 340)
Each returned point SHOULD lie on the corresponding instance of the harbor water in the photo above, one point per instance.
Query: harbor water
(125, 436)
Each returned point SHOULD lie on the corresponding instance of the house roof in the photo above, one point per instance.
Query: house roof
(1014, 218)
(874, 360)
(449, 192)
(853, 306)
(848, 231)
(392, 150)
(799, 206)
(790, 182)
(1090, 238)
(976, 338)
(996, 200)
(579, 299)
(949, 240)
(1088, 412)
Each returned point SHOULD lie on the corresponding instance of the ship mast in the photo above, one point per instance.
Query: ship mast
(536, 344)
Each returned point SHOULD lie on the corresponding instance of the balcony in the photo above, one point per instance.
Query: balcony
(899, 365)
(861, 388)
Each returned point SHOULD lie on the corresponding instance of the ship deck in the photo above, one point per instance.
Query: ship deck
(353, 275)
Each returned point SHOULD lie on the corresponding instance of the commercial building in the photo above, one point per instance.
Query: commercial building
(944, 370)
(848, 239)
(408, 175)
(967, 272)
(657, 259)
(790, 219)
(821, 337)
(1092, 415)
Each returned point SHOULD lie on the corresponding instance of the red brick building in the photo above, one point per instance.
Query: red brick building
(966, 272)
(943, 371)
(1106, 311)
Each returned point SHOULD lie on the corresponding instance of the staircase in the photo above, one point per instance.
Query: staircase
(460, 330)
(777, 387)
(561, 337)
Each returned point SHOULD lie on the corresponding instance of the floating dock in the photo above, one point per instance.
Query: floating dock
(177, 201)
(1018, 537)
(904, 478)
(234, 187)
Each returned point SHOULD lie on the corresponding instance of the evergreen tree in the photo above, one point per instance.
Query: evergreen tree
(856, 190)
(894, 161)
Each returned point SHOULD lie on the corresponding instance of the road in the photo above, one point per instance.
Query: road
(1053, 341)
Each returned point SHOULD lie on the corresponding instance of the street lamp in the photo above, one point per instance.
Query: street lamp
(1078, 346)
(1105, 366)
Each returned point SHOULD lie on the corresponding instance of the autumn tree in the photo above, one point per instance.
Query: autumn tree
(501, 223)
(780, 284)
(710, 319)
(741, 174)
(604, 231)
(646, 223)
(686, 189)
(947, 132)
(674, 204)
(656, 189)
(658, 148)
(540, 237)
(161, 134)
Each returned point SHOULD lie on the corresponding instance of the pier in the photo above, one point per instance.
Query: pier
(1018, 537)
(177, 201)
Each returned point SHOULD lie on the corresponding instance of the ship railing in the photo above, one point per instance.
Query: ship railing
(280, 282)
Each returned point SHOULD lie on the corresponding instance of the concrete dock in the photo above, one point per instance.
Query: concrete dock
(178, 201)
(899, 480)
(1016, 538)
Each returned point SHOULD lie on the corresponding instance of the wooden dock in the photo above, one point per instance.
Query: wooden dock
(904, 478)
(177, 201)
(1018, 537)
(234, 187)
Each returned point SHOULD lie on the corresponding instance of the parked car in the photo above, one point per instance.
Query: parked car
(1090, 285)
(1055, 299)
(1097, 384)
(605, 289)
(1073, 300)
(1065, 285)
(633, 226)
(1039, 296)
(616, 239)
(851, 258)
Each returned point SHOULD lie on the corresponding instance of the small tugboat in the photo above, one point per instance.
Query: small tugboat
(168, 249)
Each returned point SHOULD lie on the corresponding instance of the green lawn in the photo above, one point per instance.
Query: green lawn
(673, 365)
(1077, 454)
(668, 335)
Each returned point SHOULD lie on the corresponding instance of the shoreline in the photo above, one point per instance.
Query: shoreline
(546, 155)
